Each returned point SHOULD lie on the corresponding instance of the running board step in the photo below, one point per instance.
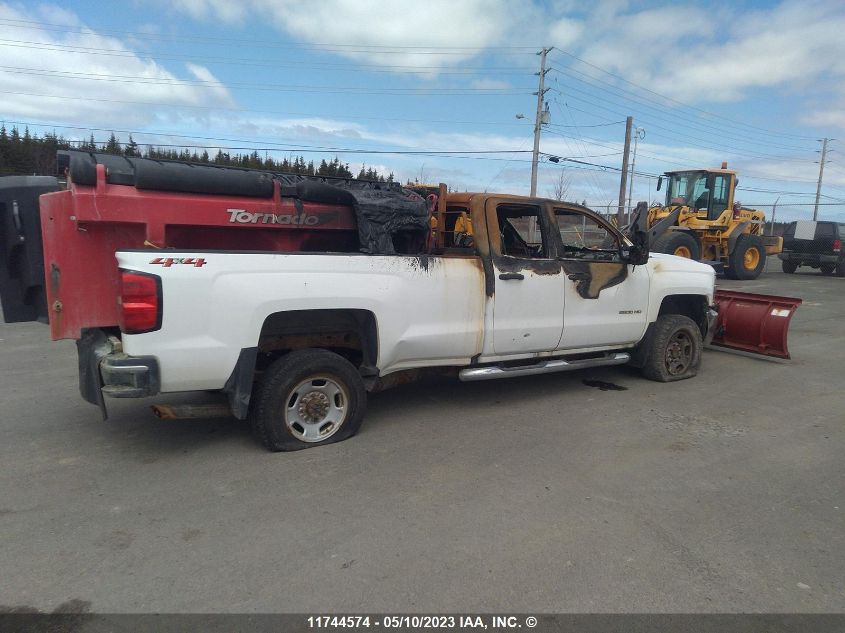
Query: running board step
(545, 367)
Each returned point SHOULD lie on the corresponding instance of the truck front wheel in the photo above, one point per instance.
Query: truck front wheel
(306, 398)
(674, 349)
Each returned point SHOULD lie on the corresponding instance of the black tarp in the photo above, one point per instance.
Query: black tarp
(386, 220)
(389, 218)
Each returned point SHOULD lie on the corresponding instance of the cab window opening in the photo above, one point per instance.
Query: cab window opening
(521, 232)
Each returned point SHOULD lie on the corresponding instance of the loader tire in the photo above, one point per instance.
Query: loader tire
(677, 243)
(673, 351)
(789, 267)
(307, 398)
(748, 258)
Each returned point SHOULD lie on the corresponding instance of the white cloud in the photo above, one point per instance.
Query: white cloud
(718, 54)
(401, 26)
(90, 101)
(228, 11)
(490, 84)
(565, 32)
(826, 118)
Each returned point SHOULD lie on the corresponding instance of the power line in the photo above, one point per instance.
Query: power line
(595, 186)
(744, 174)
(670, 132)
(202, 83)
(594, 125)
(240, 140)
(343, 48)
(778, 134)
(243, 110)
(662, 109)
(316, 65)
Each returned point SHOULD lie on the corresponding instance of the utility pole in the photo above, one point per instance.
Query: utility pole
(821, 173)
(774, 211)
(620, 210)
(538, 120)
(638, 134)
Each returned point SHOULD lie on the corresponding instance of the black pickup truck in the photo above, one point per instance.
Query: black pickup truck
(814, 244)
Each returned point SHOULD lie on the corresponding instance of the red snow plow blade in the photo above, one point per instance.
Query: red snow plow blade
(753, 323)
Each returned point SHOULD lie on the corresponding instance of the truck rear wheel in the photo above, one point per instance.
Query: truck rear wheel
(827, 269)
(306, 398)
(677, 243)
(748, 258)
(789, 267)
(674, 349)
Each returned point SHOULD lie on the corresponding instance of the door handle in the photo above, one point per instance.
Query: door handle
(507, 276)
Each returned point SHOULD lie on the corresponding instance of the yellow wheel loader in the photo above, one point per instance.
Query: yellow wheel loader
(702, 220)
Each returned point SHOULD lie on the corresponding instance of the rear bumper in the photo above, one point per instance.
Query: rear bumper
(129, 376)
(809, 258)
(104, 370)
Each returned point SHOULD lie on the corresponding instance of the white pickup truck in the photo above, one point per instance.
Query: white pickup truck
(297, 340)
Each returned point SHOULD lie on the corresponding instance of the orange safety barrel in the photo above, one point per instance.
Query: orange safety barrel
(753, 323)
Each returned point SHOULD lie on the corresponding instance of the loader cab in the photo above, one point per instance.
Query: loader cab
(707, 192)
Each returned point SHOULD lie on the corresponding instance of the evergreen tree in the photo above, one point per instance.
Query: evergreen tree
(4, 150)
(112, 146)
(131, 148)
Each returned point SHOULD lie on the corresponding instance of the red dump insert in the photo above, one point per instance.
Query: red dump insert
(754, 323)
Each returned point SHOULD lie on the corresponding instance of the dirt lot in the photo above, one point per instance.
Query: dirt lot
(722, 493)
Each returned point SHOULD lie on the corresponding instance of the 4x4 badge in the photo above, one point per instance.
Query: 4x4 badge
(167, 262)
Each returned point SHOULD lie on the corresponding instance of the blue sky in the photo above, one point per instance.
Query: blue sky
(424, 89)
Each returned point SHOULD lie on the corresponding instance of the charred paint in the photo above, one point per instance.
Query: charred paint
(592, 277)
(421, 262)
(507, 264)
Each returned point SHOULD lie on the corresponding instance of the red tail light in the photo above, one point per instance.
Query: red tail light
(140, 302)
(837, 245)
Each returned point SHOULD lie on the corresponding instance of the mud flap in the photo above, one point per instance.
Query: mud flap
(91, 347)
(753, 323)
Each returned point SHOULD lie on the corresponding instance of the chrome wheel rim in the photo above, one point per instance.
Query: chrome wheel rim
(316, 408)
(679, 353)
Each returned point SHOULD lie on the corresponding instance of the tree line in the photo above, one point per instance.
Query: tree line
(28, 154)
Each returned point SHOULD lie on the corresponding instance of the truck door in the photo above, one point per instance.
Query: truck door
(528, 300)
(606, 299)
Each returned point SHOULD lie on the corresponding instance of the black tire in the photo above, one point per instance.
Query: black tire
(840, 268)
(827, 269)
(673, 351)
(673, 241)
(788, 267)
(743, 263)
(284, 418)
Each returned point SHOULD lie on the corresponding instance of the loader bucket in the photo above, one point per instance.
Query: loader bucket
(753, 323)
